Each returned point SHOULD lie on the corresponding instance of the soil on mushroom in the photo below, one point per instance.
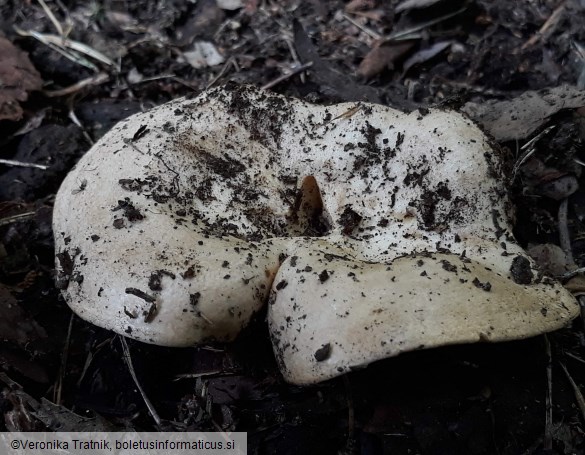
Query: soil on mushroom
(479, 399)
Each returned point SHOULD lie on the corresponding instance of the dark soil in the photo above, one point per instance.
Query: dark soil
(476, 399)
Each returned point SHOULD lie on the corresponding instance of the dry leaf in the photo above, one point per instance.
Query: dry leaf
(382, 57)
(415, 4)
(548, 181)
(521, 116)
(551, 259)
(359, 5)
(18, 76)
(426, 54)
(375, 15)
(203, 54)
(230, 5)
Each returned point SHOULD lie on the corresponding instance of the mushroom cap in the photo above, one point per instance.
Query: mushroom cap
(178, 224)
(348, 313)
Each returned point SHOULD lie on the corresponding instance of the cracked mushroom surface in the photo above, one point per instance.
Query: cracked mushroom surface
(369, 231)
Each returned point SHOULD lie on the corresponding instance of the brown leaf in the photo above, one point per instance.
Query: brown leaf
(382, 57)
(576, 284)
(551, 259)
(415, 4)
(375, 15)
(18, 76)
(359, 5)
(548, 181)
(203, 22)
(521, 116)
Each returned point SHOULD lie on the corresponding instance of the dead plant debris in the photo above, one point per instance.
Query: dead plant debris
(516, 68)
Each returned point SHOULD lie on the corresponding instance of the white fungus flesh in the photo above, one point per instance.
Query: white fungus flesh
(369, 231)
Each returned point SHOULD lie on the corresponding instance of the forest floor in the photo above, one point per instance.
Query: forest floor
(518, 397)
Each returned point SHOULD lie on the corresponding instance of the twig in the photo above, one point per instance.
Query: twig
(581, 300)
(68, 23)
(295, 55)
(52, 17)
(182, 81)
(224, 68)
(200, 375)
(170, 76)
(22, 164)
(90, 356)
(363, 28)
(550, 23)
(16, 218)
(536, 138)
(529, 149)
(547, 443)
(576, 390)
(62, 367)
(73, 56)
(73, 116)
(564, 236)
(128, 360)
(155, 78)
(565, 241)
(573, 356)
(572, 273)
(284, 77)
(98, 79)
(405, 34)
(62, 43)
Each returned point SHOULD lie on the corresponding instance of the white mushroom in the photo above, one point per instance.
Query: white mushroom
(375, 232)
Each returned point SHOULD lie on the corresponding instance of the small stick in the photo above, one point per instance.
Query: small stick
(368, 31)
(62, 367)
(73, 116)
(98, 79)
(22, 164)
(200, 375)
(528, 150)
(572, 273)
(224, 68)
(405, 34)
(564, 236)
(565, 241)
(52, 17)
(573, 356)
(550, 23)
(576, 390)
(89, 359)
(15, 218)
(284, 77)
(57, 47)
(128, 360)
(293, 52)
(581, 300)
